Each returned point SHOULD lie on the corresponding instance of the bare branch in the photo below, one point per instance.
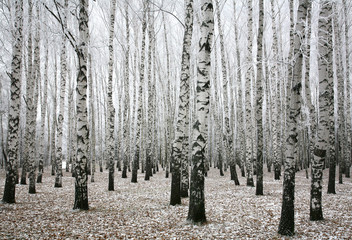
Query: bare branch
(163, 10)
(67, 33)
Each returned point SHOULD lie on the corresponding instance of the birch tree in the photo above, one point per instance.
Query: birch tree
(137, 153)
(325, 96)
(33, 112)
(44, 114)
(180, 144)
(196, 210)
(286, 225)
(110, 107)
(259, 100)
(126, 112)
(248, 102)
(151, 97)
(29, 96)
(81, 187)
(14, 110)
(60, 117)
(227, 112)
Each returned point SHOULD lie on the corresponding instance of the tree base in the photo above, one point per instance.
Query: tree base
(250, 182)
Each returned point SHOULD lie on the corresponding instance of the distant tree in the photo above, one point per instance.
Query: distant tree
(14, 111)
(196, 210)
(228, 136)
(44, 114)
(54, 120)
(92, 121)
(275, 94)
(179, 153)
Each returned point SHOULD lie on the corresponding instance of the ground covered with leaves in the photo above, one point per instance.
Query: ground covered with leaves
(142, 211)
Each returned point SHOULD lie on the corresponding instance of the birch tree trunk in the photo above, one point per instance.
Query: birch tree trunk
(259, 100)
(60, 119)
(241, 101)
(81, 187)
(228, 133)
(44, 114)
(248, 102)
(325, 96)
(286, 225)
(33, 113)
(54, 122)
(14, 110)
(140, 99)
(29, 96)
(180, 144)
(92, 121)
(151, 96)
(126, 110)
(110, 108)
(340, 88)
(275, 99)
(196, 211)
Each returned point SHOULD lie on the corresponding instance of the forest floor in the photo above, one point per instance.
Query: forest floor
(142, 210)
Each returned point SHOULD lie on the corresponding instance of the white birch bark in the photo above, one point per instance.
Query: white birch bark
(138, 150)
(60, 118)
(196, 211)
(259, 100)
(249, 133)
(33, 113)
(180, 144)
(151, 96)
(81, 187)
(14, 110)
(325, 90)
(110, 107)
(126, 110)
(44, 115)
(29, 95)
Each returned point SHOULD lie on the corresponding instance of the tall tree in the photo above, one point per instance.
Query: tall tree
(140, 99)
(81, 188)
(228, 136)
(33, 112)
(179, 153)
(286, 225)
(275, 98)
(29, 96)
(325, 96)
(91, 120)
(249, 133)
(44, 113)
(151, 97)
(339, 88)
(259, 100)
(126, 87)
(196, 210)
(60, 117)
(14, 111)
(110, 107)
